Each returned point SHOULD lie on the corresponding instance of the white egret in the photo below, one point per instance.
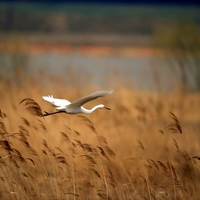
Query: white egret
(63, 105)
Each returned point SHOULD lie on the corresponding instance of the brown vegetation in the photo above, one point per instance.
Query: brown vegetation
(146, 147)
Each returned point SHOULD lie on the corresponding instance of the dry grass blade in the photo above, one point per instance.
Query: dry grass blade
(89, 159)
(102, 140)
(78, 142)
(196, 157)
(41, 124)
(3, 128)
(140, 145)
(176, 145)
(110, 178)
(109, 151)
(161, 131)
(32, 106)
(23, 130)
(103, 153)
(77, 195)
(15, 163)
(153, 162)
(25, 121)
(89, 123)
(24, 174)
(2, 178)
(173, 170)
(77, 133)
(18, 155)
(96, 173)
(50, 150)
(25, 142)
(86, 147)
(65, 136)
(61, 159)
(185, 155)
(44, 152)
(31, 160)
(59, 149)
(5, 144)
(91, 126)
(2, 114)
(102, 194)
(85, 119)
(163, 166)
(175, 126)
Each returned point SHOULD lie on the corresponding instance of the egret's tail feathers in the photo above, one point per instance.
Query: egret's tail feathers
(61, 108)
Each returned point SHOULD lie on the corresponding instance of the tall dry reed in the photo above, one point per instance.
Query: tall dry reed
(142, 149)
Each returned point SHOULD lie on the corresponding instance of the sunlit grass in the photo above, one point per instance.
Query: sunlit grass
(146, 147)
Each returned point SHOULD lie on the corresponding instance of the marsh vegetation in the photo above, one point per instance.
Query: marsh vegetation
(147, 147)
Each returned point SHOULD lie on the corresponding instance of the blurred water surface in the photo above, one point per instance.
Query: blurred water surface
(104, 71)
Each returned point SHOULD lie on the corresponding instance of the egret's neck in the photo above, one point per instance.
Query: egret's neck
(88, 111)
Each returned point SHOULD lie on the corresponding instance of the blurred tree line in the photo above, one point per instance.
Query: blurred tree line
(94, 18)
(79, 20)
(177, 37)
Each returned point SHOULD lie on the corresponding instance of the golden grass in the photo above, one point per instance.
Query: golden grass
(146, 147)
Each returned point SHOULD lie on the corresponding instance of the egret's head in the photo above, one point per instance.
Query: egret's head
(104, 107)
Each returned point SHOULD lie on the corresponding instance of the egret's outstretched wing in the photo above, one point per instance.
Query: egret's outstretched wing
(56, 102)
(90, 97)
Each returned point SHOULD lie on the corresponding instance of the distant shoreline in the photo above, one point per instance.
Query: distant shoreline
(84, 44)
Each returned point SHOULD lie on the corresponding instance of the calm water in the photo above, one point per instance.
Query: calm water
(106, 71)
(143, 73)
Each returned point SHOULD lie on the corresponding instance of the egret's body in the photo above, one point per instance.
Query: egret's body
(63, 105)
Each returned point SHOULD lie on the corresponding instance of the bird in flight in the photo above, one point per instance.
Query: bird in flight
(75, 107)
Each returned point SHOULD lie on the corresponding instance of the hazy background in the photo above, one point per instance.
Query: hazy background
(147, 146)
(149, 45)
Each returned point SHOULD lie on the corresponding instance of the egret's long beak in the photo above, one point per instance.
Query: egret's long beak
(107, 108)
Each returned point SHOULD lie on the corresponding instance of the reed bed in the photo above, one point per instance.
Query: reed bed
(146, 147)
